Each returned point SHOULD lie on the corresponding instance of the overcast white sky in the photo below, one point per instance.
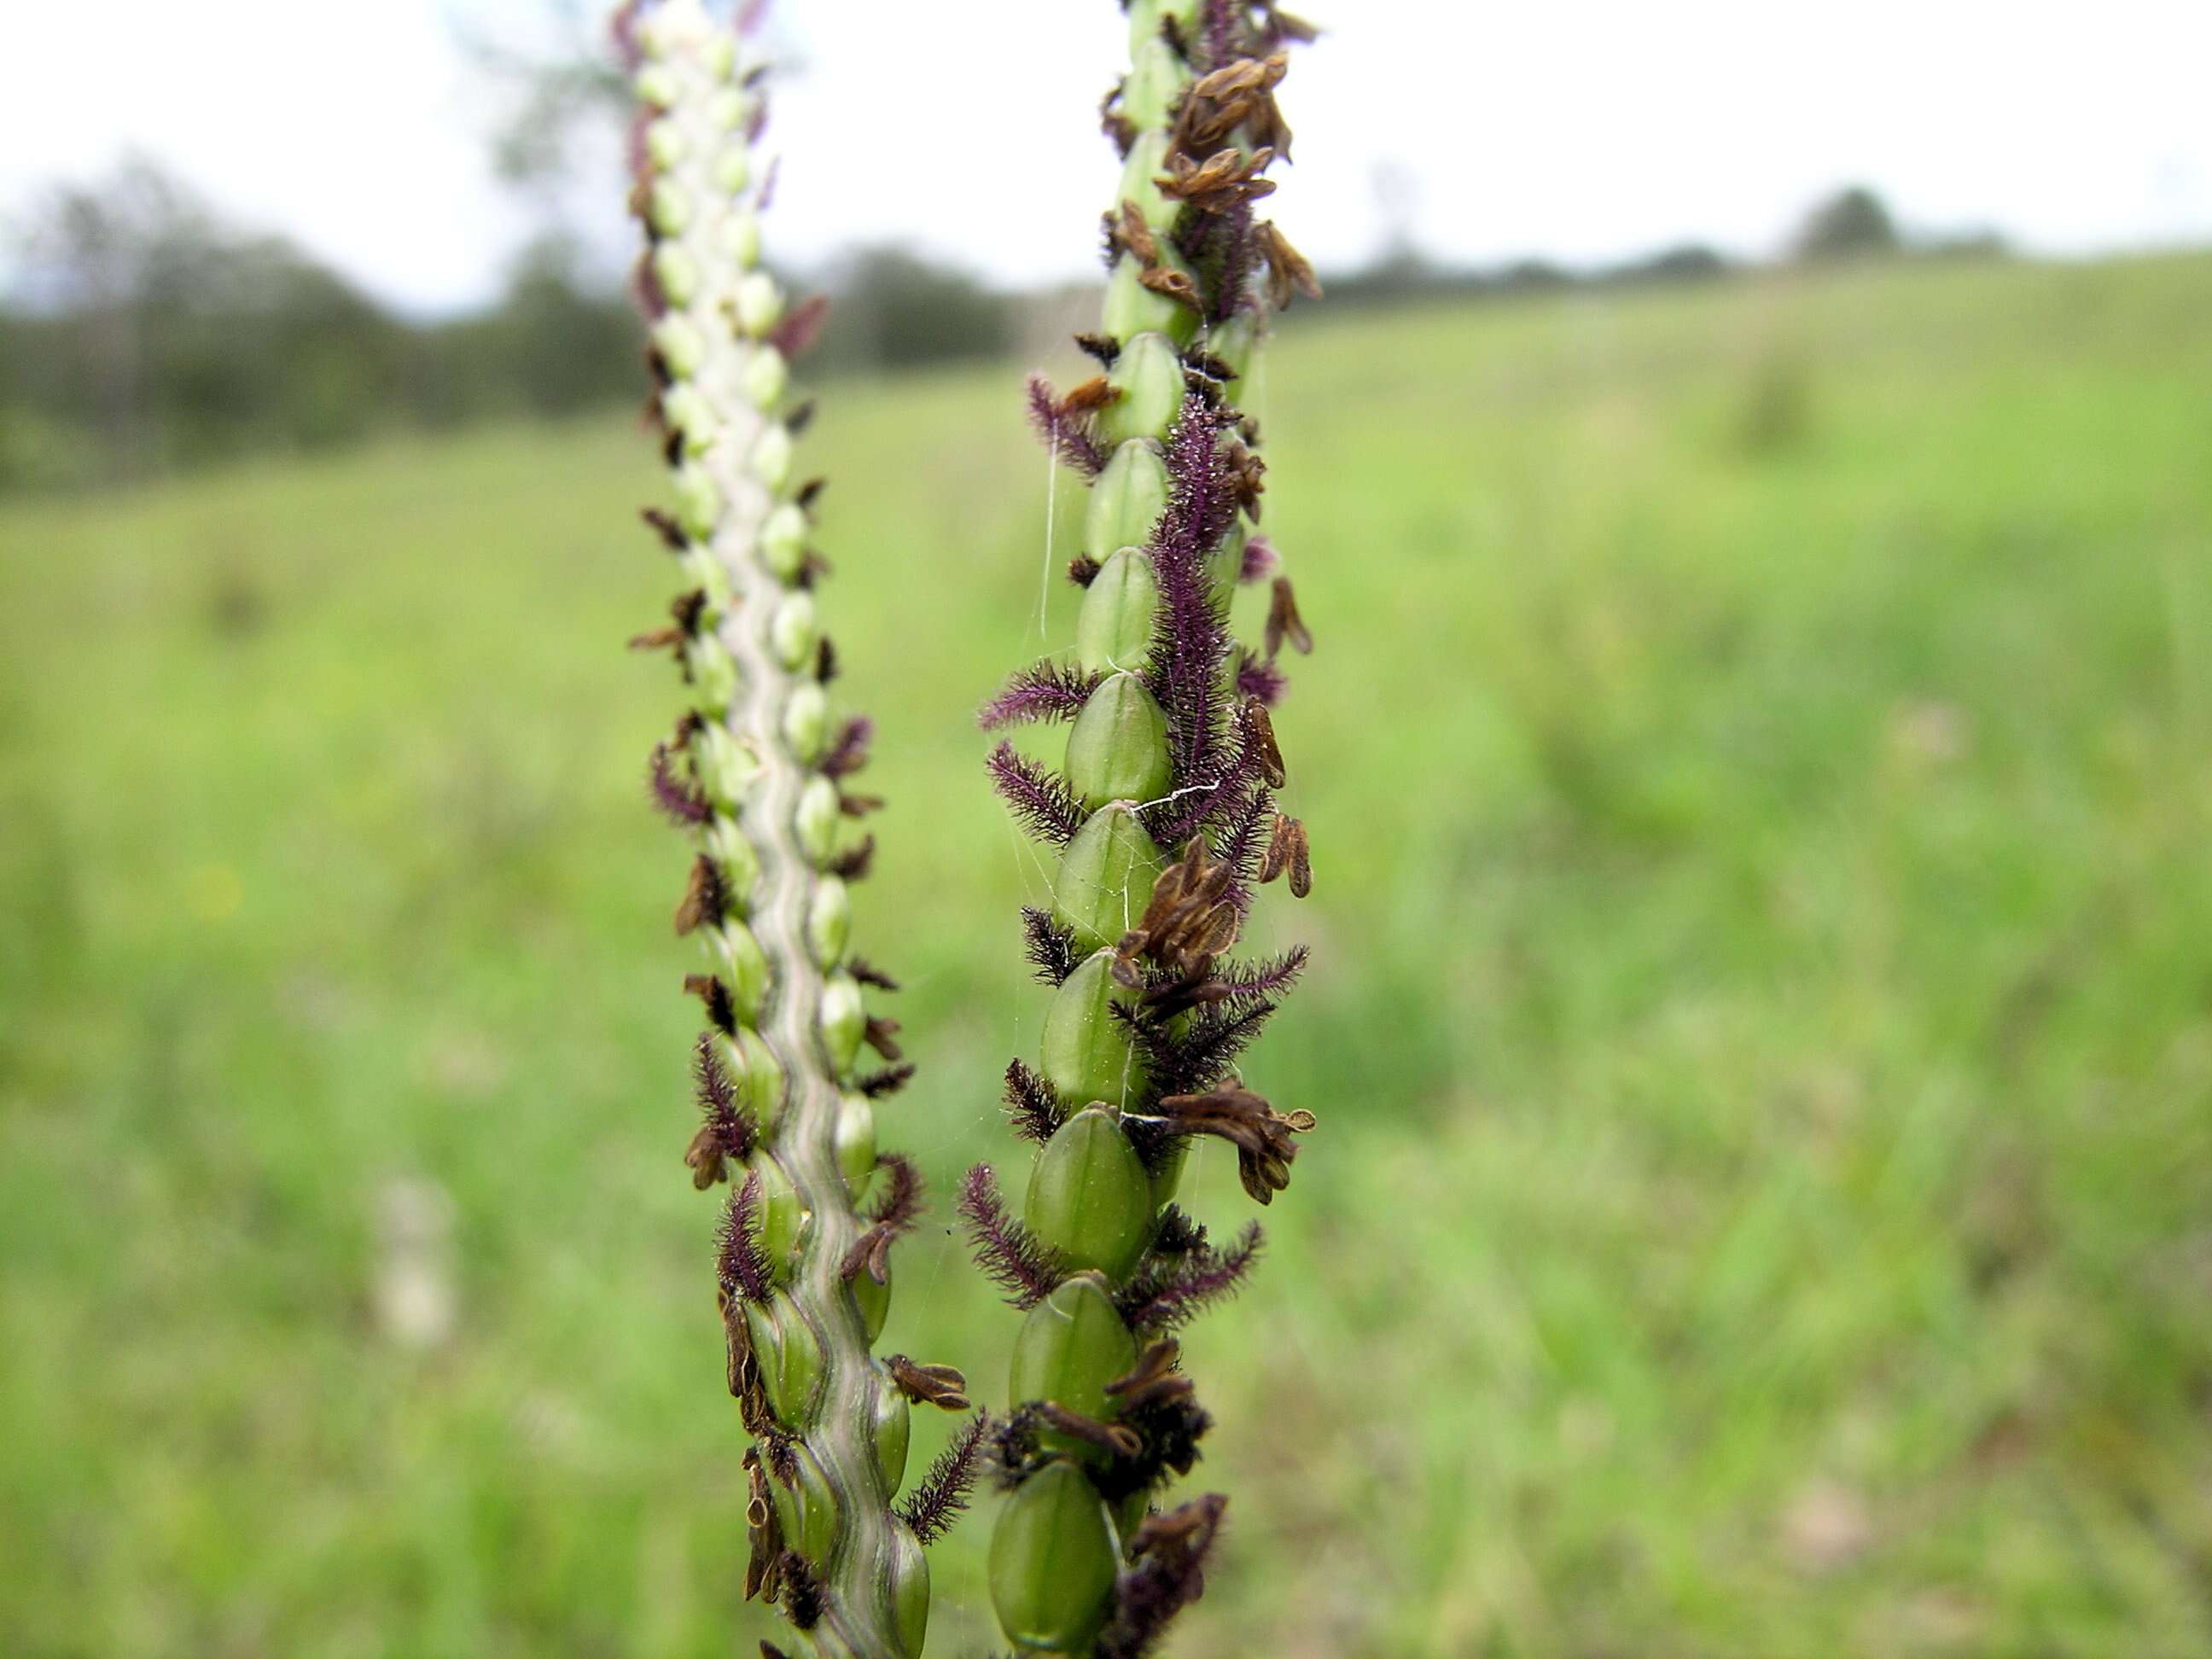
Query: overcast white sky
(1578, 130)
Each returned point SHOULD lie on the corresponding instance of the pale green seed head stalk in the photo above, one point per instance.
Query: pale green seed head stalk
(756, 772)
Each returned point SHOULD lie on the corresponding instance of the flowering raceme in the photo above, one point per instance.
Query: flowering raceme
(1163, 819)
(758, 773)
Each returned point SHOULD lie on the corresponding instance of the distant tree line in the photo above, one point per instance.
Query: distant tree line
(1852, 226)
(145, 334)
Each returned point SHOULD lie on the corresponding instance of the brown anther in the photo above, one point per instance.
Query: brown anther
(1260, 1134)
(1154, 1379)
(1288, 272)
(928, 1385)
(1094, 394)
(705, 897)
(706, 1158)
(671, 533)
(1189, 920)
(1114, 1438)
(659, 639)
(1288, 854)
(1260, 732)
(1186, 1530)
(1136, 236)
(880, 1034)
(1225, 179)
(764, 1537)
(1284, 622)
(1174, 284)
(721, 1010)
(746, 1387)
(1248, 477)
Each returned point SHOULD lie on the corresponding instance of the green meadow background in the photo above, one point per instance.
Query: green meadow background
(1759, 759)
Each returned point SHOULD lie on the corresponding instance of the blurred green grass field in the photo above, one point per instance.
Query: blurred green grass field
(1759, 765)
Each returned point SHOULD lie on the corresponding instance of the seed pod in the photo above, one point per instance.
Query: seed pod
(783, 539)
(1126, 500)
(1114, 628)
(676, 273)
(1236, 343)
(1167, 1180)
(856, 1140)
(1052, 1559)
(806, 722)
(758, 304)
(781, 1217)
(656, 86)
(893, 1429)
(771, 456)
(909, 1575)
(829, 922)
(789, 1357)
(873, 1300)
(805, 1508)
(1085, 1053)
(699, 501)
(1106, 877)
(1088, 1197)
(1149, 376)
(734, 856)
(1148, 160)
(761, 1073)
(1145, 17)
(725, 769)
(714, 682)
(665, 144)
(792, 630)
(669, 208)
(728, 109)
(1071, 1345)
(742, 966)
(817, 819)
(741, 240)
(1118, 749)
(1156, 82)
(1131, 308)
(844, 1022)
(679, 345)
(733, 169)
(767, 377)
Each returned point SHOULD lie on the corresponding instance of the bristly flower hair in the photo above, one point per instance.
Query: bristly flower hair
(937, 1502)
(1008, 1253)
(1164, 818)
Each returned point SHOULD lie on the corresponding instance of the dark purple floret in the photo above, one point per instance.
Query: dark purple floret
(745, 1270)
(684, 801)
(943, 1493)
(1169, 1291)
(895, 1212)
(1190, 639)
(1051, 947)
(1066, 436)
(1042, 691)
(1038, 799)
(1169, 1574)
(1010, 1256)
(1031, 1105)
